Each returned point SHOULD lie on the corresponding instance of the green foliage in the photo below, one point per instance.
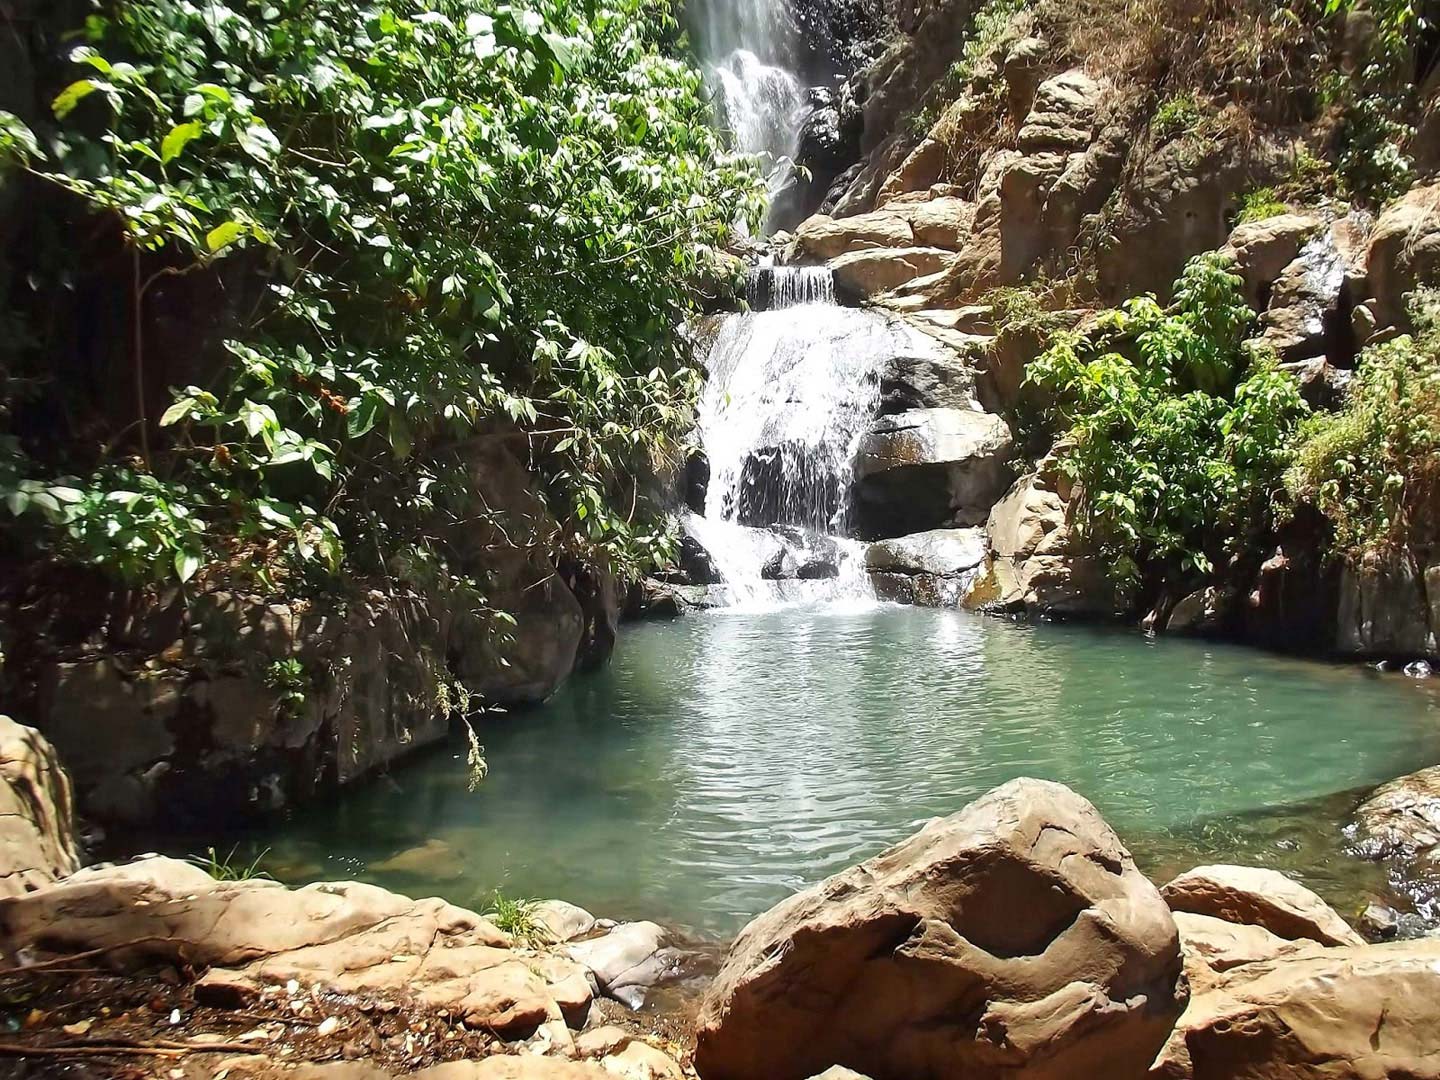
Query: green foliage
(228, 867)
(1178, 436)
(290, 682)
(464, 216)
(1177, 115)
(987, 31)
(1373, 468)
(1259, 204)
(1020, 310)
(516, 917)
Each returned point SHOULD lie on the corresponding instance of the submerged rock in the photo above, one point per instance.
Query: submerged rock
(1015, 938)
(629, 961)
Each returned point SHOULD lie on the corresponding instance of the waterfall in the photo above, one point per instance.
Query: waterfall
(750, 50)
(791, 392)
(770, 288)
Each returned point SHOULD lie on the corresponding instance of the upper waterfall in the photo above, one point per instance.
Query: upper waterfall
(750, 50)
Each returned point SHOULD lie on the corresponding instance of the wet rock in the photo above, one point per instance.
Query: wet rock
(1198, 612)
(941, 381)
(651, 598)
(1257, 897)
(37, 812)
(812, 556)
(1013, 938)
(1308, 314)
(696, 562)
(628, 962)
(930, 468)
(932, 569)
(1378, 922)
(1262, 249)
(1402, 818)
(1322, 384)
(1384, 609)
(1358, 1011)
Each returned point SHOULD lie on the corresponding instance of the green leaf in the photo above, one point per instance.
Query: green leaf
(187, 562)
(65, 102)
(223, 235)
(181, 136)
(259, 142)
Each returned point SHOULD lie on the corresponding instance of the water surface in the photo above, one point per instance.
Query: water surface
(723, 761)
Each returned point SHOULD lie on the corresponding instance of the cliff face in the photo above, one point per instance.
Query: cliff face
(1016, 168)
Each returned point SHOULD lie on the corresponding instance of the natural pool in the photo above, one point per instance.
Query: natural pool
(724, 760)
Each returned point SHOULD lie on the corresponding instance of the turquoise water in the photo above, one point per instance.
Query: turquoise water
(725, 760)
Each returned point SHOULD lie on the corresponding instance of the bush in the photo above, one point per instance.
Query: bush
(1179, 437)
(1176, 116)
(1373, 468)
(450, 217)
(1258, 205)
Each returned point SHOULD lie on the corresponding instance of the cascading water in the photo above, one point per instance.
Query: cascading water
(750, 48)
(791, 392)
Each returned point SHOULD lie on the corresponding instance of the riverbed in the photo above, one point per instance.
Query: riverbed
(724, 760)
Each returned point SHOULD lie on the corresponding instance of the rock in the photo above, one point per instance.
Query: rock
(1358, 1011)
(1022, 69)
(1198, 612)
(867, 273)
(823, 237)
(651, 598)
(1063, 114)
(1306, 316)
(1033, 566)
(37, 812)
(1322, 384)
(347, 938)
(563, 921)
(432, 859)
(696, 562)
(1262, 249)
(839, 1072)
(1258, 897)
(941, 222)
(1383, 608)
(929, 468)
(1402, 818)
(811, 556)
(940, 381)
(1404, 251)
(639, 1060)
(931, 568)
(1379, 922)
(1219, 945)
(513, 1067)
(628, 961)
(1015, 938)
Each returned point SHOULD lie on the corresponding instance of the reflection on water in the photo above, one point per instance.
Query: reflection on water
(726, 760)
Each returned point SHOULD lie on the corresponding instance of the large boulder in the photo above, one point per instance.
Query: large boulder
(1212, 946)
(1262, 249)
(931, 568)
(1361, 1012)
(1306, 316)
(1258, 897)
(1403, 816)
(37, 812)
(1033, 562)
(930, 468)
(1385, 609)
(1404, 251)
(868, 272)
(1015, 938)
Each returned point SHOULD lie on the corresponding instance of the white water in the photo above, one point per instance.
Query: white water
(749, 48)
(790, 395)
(775, 287)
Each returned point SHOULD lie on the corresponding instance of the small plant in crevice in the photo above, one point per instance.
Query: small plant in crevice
(987, 31)
(516, 917)
(1177, 115)
(291, 683)
(229, 867)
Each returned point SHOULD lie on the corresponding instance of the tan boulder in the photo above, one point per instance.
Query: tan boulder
(345, 937)
(1015, 938)
(879, 270)
(943, 223)
(1213, 946)
(1261, 249)
(513, 1067)
(1403, 816)
(922, 167)
(1404, 251)
(1259, 897)
(37, 812)
(1362, 1012)
(1062, 116)
(823, 237)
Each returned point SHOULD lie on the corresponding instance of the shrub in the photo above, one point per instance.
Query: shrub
(1179, 436)
(1373, 468)
(1258, 205)
(1176, 116)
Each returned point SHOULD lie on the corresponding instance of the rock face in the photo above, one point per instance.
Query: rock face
(1015, 938)
(1389, 606)
(1257, 897)
(1362, 1011)
(1404, 251)
(1032, 565)
(37, 814)
(929, 468)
